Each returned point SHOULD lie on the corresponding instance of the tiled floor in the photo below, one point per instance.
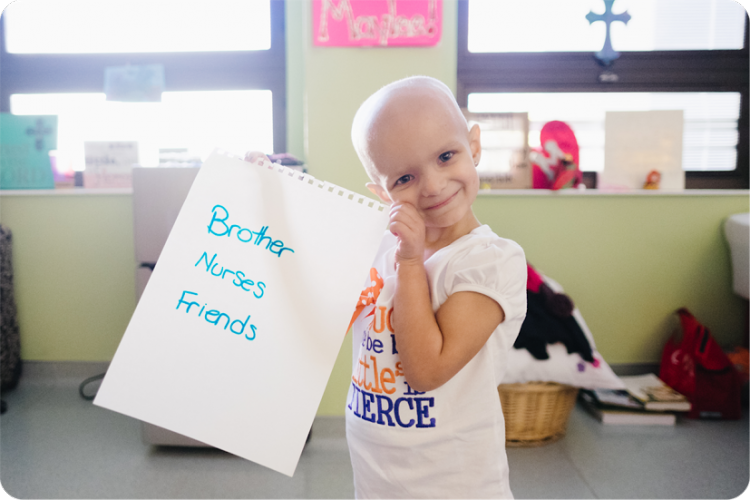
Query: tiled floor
(54, 444)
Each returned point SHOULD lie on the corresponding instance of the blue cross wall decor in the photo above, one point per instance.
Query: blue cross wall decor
(25, 142)
(607, 54)
(39, 132)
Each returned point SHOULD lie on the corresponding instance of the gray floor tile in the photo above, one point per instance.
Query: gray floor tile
(53, 444)
(694, 459)
(545, 472)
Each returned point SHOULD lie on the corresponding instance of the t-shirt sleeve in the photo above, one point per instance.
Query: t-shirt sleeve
(496, 269)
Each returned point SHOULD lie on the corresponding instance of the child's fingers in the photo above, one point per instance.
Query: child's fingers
(404, 219)
(406, 213)
(255, 157)
(407, 225)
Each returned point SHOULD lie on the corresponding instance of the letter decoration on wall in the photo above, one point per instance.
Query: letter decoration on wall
(248, 305)
(383, 23)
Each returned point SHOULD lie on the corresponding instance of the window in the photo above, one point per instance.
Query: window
(710, 127)
(674, 54)
(192, 122)
(654, 25)
(224, 66)
(106, 27)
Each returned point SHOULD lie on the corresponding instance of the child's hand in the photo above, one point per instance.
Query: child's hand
(256, 157)
(408, 226)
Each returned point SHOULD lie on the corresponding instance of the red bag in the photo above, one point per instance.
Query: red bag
(697, 367)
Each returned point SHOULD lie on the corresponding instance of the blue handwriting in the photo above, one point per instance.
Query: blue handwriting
(239, 277)
(215, 316)
(219, 227)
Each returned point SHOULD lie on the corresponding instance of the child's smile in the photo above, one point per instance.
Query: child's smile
(443, 203)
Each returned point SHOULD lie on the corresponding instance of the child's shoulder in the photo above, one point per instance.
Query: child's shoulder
(484, 243)
(481, 253)
(485, 263)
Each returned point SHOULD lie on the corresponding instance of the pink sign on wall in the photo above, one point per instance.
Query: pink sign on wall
(385, 23)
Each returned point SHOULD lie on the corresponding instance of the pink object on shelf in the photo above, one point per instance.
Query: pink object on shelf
(555, 165)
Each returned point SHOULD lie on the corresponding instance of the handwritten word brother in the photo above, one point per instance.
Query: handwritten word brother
(219, 227)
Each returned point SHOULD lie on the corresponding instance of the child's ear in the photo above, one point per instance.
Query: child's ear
(378, 191)
(475, 143)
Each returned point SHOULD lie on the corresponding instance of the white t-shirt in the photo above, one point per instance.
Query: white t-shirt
(449, 442)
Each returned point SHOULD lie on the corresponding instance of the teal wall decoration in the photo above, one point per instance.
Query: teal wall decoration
(607, 54)
(25, 142)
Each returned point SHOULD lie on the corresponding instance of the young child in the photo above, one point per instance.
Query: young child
(444, 304)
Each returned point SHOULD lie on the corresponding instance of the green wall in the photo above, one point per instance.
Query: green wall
(74, 266)
(627, 261)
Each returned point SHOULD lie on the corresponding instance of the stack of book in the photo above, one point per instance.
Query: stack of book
(647, 400)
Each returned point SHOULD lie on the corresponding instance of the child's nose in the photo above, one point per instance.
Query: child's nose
(433, 184)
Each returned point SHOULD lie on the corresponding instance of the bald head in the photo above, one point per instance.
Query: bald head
(397, 104)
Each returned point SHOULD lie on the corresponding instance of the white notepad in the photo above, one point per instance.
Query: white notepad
(236, 334)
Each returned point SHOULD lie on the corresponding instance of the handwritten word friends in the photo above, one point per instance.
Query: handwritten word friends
(219, 227)
(215, 317)
(239, 277)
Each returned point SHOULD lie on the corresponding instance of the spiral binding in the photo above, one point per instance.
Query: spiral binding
(309, 179)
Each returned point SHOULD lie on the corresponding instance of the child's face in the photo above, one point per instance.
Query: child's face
(423, 154)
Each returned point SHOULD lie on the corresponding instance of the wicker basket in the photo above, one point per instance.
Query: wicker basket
(536, 413)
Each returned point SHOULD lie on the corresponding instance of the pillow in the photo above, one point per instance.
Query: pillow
(561, 367)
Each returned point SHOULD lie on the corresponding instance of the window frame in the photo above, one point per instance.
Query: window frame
(657, 71)
(184, 71)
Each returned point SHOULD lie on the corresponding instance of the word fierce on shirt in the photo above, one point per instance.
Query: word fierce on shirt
(219, 227)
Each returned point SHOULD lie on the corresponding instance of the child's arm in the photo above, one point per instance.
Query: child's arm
(433, 347)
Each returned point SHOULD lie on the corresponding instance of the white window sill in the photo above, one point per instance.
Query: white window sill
(482, 192)
(604, 192)
(78, 191)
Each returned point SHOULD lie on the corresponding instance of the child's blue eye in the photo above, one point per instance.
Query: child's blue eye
(446, 156)
(403, 180)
